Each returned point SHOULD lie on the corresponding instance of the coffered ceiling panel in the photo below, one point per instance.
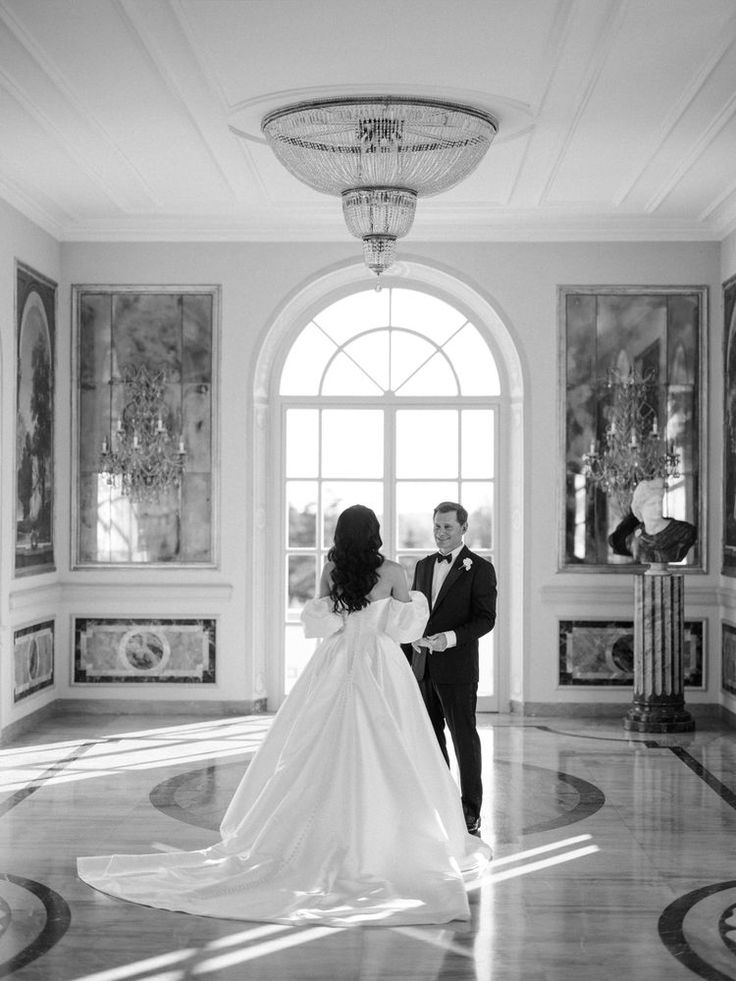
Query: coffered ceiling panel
(617, 118)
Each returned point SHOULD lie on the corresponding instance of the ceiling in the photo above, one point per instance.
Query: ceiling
(617, 118)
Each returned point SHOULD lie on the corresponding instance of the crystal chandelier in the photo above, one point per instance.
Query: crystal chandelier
(138, 455)
(379, 154)
(633, 449)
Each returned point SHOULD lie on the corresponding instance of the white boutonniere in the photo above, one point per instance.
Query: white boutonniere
(467, 564)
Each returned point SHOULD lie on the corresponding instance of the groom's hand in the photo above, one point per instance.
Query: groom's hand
(437, 642)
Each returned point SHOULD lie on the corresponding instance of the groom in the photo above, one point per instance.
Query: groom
(460, 587)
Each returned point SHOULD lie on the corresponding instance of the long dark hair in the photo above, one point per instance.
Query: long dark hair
(356, 558)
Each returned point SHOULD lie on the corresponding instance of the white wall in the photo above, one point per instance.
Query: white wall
(523, 279)
(31, 598)
(520, 281)
(254, 280)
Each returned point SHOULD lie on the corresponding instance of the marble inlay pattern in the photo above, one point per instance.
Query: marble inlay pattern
(609, 859)
(551, 800)
(728, 657)
(43, 922)
(155, 650)
(33, 658)
(600, 653)
(686, 925)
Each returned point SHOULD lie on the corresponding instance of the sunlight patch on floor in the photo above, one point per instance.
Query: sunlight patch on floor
(142, 750)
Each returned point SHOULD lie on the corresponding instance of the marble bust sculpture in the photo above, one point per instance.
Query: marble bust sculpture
(646, 533)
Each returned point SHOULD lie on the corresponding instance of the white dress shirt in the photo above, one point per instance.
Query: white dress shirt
(439, 574)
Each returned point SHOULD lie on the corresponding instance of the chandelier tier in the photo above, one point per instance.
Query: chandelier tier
(139, 455)
(379, 154)
(634, 448)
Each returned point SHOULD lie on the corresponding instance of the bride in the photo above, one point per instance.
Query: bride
(348, 813)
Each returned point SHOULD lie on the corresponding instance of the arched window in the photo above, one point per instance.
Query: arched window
(388, 399)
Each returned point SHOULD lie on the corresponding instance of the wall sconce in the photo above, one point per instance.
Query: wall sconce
(139, 454)
(633, 448)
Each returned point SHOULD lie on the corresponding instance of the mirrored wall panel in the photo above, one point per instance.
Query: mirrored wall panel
(145, 425)
(635, 354)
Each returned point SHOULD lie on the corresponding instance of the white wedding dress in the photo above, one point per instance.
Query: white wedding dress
(346, 815)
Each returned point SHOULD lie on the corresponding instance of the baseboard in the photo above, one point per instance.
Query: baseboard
(727, 717)
(125, 706)
(710, 711)
(16, 729)
(582, 710)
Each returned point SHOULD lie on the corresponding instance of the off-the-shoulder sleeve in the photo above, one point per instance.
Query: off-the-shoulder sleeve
(319, 619)
(406, 621)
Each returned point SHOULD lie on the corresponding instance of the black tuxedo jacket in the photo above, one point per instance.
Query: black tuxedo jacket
(466, 603)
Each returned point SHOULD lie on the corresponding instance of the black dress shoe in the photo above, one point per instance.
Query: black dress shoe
(473, 825)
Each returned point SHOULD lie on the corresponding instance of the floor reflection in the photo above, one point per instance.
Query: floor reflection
(609, 860)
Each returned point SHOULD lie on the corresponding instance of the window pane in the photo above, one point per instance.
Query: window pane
(352, 443)
(297, 651)
(415, 503)
(425, 314)
(302, 446)
(302, 580)
(416, 431)
(477, 499)
(408, 354)
(301, 510)
(306, 362)
(410, 311)
(436, 377)
(338, 495)
(477, 443)
(345, 377)
(355, 313)
(474, 362)
(371, 352)
(486, 672)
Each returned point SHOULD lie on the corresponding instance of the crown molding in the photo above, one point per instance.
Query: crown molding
(472, 224)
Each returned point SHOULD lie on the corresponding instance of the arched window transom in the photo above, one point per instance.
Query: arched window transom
(397, 342)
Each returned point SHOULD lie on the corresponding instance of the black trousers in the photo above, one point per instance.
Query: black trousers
(454, 706)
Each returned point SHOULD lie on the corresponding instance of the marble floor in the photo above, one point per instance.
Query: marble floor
(614, 858)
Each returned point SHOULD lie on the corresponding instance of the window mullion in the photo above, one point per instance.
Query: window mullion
(389, 480)
(320, 497)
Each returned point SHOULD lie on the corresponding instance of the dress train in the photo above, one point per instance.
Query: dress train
(346, 815)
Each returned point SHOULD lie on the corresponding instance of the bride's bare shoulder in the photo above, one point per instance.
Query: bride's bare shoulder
(391, 570)
(395, 579)
(387, 580)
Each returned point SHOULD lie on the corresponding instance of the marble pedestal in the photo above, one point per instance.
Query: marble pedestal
(659, 702)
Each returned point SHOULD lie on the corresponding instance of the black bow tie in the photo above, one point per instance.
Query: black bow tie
(444, 558)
